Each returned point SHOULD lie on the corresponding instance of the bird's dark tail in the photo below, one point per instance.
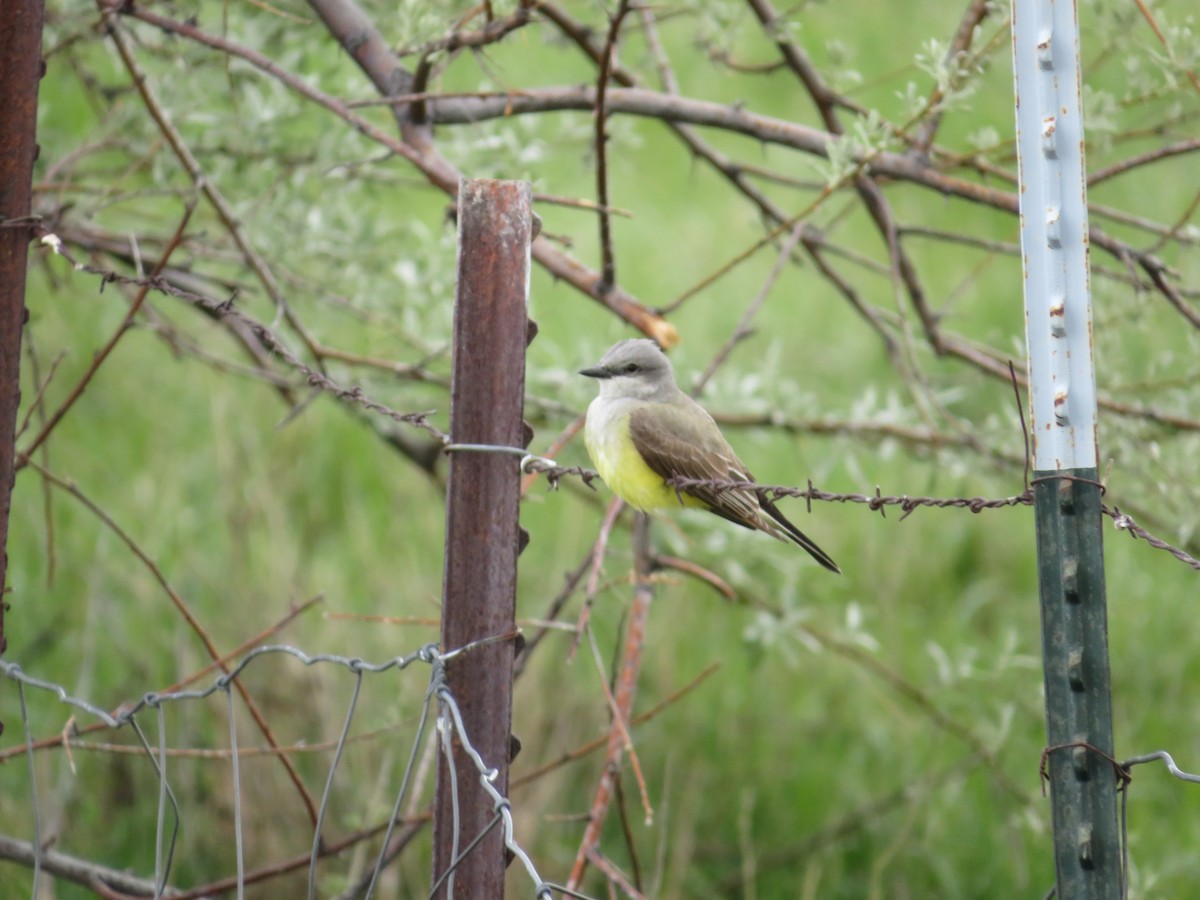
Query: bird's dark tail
(795, 534)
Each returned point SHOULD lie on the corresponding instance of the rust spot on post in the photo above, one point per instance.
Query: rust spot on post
(20, 68)
(482, 533)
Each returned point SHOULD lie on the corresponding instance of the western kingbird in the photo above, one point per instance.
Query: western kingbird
(643, 430)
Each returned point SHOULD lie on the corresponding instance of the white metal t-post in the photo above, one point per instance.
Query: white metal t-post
(1062, 381)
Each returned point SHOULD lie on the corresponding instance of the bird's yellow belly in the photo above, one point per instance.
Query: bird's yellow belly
(626, 473)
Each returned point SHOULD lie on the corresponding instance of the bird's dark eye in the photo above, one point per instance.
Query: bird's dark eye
(631, 368)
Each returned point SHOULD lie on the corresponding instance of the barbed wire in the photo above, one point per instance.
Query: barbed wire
(227, 310)
(1124, 522)
(449, 728)
(554, 473)
(909, 504)
(877, 501)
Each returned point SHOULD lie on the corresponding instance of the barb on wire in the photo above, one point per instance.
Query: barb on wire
(531, 464)
(1124, 522)
(555, 473)
(876, 502)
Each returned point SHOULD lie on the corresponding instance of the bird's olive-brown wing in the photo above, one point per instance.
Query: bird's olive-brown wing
(684, 442)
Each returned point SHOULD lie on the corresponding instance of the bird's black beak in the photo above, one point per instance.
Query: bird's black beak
(596, 372)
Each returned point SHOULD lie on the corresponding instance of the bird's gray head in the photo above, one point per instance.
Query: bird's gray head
(636, 369)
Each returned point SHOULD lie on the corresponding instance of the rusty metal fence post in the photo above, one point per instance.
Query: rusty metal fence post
(482, 533)
(20, 71)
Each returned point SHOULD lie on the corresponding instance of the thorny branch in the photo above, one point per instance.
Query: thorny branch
(102, 354)
(186, 613)
(669, 109)
(226, 310)
(608, 265)
(254, 260)
(622, 706)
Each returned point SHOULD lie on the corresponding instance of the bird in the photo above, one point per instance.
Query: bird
(642, 431)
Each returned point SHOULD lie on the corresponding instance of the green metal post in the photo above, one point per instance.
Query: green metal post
(1062, 383)
(1087, 857)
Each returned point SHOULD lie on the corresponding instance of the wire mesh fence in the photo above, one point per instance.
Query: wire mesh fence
(439, 713)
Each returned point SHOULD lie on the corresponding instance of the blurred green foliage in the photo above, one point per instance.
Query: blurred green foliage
(876, 735)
